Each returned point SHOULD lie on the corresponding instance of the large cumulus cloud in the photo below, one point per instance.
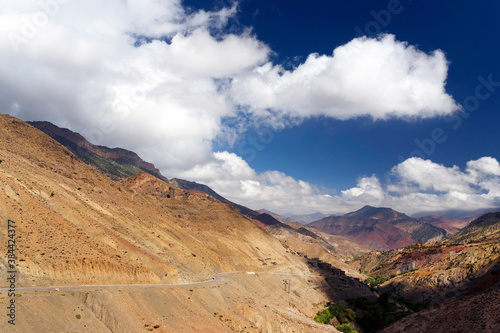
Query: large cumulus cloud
(162, 80)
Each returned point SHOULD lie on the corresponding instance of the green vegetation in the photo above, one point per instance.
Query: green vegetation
(406, 272)
(371, 314)
(121, 169)
(338, 310)
(373, 281)
(413, 247)
(374, 312)
(346, 328)
(78, 316)
(323, 316)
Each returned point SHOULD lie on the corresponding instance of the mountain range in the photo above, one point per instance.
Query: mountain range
(105, 243)
(379, 228)
(369, 227)
(137, 254)
(117, 163)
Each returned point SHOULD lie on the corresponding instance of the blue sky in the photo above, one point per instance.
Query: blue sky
(335, 153)
(286, 105)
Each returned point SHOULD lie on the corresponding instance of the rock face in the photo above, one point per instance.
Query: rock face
(379, 228)
(444, 273)
(115, 162)
(458, 280)
(477, 313)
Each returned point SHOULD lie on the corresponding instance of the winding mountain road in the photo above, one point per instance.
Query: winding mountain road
(217, 279)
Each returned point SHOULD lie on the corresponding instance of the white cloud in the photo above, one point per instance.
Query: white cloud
(200, 54)
(484, 165)
(423, 185)
(429, 176)
(420, 185)
(369, 190)
(151, 77)
(100, 69)
(376, 77)
(143, 75)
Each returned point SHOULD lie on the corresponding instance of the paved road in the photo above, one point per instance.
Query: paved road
(216, 280)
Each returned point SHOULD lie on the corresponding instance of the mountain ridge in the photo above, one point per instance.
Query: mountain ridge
(177, 187)
(75, 226)
(379, 228)
(127, 163)
(119, 163)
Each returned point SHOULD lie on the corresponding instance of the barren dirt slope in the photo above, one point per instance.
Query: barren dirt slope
(74, 226)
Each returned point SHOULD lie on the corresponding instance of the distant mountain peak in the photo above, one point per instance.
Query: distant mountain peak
(379, 228)
(303, 218)
(377, 212)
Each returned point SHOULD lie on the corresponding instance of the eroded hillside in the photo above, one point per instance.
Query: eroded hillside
(77, 227)
(123, 231)
(457, 278)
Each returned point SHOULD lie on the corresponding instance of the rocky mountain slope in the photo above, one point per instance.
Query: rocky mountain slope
(114, 162)
(379, 228)
(278, 217)
(483, 228)
(458, 277)
(56, 200)
(75, 226)
(451, 226)
(117, 162)
(189, 185)
(478, 313)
